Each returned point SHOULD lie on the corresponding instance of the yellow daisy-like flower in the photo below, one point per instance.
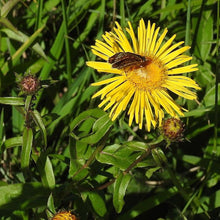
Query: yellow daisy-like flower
(64, 215)
(146, 70)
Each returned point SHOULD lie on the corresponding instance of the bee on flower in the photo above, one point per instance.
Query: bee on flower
(146, 72)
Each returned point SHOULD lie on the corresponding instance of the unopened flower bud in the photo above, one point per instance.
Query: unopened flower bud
(172, 129)
(29, 84)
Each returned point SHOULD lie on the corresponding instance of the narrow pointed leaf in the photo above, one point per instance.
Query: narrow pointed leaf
(13, 142)
(46, 171)
(39, 121)
(6, 8)
(12, 101)
(120, 187)
(26, 147)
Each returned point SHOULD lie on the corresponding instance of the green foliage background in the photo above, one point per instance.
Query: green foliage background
(71, 156)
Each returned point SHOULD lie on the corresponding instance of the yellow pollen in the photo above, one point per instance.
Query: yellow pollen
(151, 76)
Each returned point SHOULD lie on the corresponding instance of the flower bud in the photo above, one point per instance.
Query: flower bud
(172, 129)
(29, 84)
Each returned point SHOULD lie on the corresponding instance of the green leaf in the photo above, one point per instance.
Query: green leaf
(22, 197)
(191, 159)
(120, 187)
(90, 22)
(2, 129)
(6, 8)
(149, 203)
(19, 52)
(26, 147)
(180, 6)
(50, 205)
(98, 203)
(55, 52)
(21, 37)
(101, 127)
(204, 35)
(156, 158)
(39, 121)
(93, 113)
(213, 200)
(13, 142)
(118, 156)
(136, 146)
(78, 152)
(7, 24)
(18, 101)
(209, 98)
(214, 180)
(198, 112)
(18, 113)
(151, 171)
(46, 171)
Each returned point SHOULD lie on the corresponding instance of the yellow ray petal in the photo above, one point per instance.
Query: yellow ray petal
(158, 43)
(110, 104)
(102, 49)
(103, 92)
(165, 46)
(152, 47)
(101, 55)
(167, 100)
(104, 67)
(122, 39)
(112, 112)
(177, 62)
(148, 112)
(141, 37)
(124, 102)
(185, 69)
(108, 39)
(183, 81)
(164, 54)
(175, 53)
(104, 101)
(132, 108)
(137, 107)
(133, 38)
(106, 81)
(149, 39)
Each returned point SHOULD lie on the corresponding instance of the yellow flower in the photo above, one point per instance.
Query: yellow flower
(146, 70)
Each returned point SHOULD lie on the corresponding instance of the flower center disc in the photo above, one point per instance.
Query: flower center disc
(150, 76)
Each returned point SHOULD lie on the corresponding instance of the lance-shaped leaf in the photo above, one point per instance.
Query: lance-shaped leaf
(17, 101)
(120, 187)
(39, 121)
(26, 147)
